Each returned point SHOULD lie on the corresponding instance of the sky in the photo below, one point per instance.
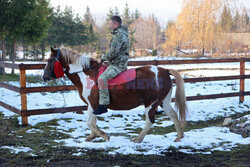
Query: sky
(164, 10)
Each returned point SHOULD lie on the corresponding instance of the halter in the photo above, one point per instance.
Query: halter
(58, 68)
(58, 53)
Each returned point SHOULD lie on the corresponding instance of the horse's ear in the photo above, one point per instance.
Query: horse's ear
(53, 50)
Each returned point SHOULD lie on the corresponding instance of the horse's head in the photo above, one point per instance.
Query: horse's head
(61, 60)
(50, 72)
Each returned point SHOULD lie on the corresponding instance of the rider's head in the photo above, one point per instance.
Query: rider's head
(115, 22)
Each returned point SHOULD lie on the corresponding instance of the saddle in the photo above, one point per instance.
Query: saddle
(121, 78)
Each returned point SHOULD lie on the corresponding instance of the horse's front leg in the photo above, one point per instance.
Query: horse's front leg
(95, 131)
(150, 116)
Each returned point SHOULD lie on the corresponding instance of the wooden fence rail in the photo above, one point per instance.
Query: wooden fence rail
(23, 90)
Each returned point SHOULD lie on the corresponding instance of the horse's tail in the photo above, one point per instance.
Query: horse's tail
(180, 98)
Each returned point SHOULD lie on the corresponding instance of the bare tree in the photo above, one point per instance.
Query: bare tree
(147, 33)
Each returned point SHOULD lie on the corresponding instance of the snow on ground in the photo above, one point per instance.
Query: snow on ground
(211, 138)
(122, 125)
(16, 150)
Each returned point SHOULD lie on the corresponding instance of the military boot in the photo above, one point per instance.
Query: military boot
(100, 110)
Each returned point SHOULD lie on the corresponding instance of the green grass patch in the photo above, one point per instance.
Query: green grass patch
(9, 77)
(15, 77)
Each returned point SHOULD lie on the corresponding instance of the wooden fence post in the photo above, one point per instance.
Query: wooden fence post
(242, 80)
(23, 97)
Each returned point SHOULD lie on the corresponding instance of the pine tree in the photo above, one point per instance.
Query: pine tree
(87, 18)
(27, 20)
(127, 17)
(67, 29)
(226, 20)
(90, 24)
(116, 11)
(136, 14)
(3, 29)
(110, 14)
(236, 21)
(246, 20)
(107, 26)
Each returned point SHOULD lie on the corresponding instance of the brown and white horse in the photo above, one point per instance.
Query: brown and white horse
(151, 87)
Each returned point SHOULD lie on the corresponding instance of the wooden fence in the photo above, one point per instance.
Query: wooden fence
(23, 90)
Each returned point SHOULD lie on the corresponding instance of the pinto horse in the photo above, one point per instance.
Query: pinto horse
(152, 87)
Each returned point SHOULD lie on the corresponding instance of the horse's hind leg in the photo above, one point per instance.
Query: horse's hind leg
(95, 132)
(172, 115)
(150, 117)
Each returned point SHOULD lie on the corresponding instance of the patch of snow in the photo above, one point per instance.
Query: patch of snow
(16, 150)
(34, 131)
(212, 138)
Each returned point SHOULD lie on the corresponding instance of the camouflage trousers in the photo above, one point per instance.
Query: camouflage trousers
(109, 73)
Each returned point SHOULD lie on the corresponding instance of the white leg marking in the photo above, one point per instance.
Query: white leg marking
(91, 118)
(146, 128)
(155, 70)
(166, 102)
(172, 115)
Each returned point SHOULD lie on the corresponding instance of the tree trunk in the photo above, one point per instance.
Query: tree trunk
(2, 71)
(13, 58)
(43, 50)
(35, 51)
(25, 48)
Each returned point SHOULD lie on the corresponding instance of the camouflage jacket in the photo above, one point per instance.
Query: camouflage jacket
(118, 48)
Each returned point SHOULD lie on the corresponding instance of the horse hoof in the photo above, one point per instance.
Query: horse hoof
(90, 138)
(177, 139)
(106, 137)
(136, 140)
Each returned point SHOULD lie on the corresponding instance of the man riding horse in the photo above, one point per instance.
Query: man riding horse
(151, 86)
(117, 56)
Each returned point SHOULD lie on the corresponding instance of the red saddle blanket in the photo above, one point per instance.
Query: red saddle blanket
(124, 77)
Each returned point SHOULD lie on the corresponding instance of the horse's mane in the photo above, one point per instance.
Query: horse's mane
(73, 57)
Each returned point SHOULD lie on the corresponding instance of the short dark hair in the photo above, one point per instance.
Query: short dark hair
(116, 19)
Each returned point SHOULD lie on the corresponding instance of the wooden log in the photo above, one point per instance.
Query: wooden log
(31, 66)
(53, 110)
(48, 89)
(136, 63)
(10, 87)
(11, 108)
(219, 78)
(213, 96)
(9, 65)
(242, 80)
(72, 87)
(23, 97)
(193, 61)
